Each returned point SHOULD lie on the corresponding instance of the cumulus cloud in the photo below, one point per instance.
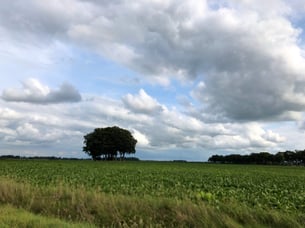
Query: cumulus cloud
(33, 91)
(247, 53)
(172, 129)
(64, 125)
(142, 102)
(27, 132)
(141, 138)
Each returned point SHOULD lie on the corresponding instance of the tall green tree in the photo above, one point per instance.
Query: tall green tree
(107, 143)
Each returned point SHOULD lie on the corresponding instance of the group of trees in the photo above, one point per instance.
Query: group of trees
(287, 157)
(112, 143)
(109, 143)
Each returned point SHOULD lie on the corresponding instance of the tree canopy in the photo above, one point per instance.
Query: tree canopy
(107, 143)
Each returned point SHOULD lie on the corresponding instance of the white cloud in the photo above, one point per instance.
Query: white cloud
(7, 113)
(64, 125)
(246, 137)
(274, 137)
(247, 53)
(33, 91)
(142, 103)
(250, 57)
(142, 140)
(27, 132)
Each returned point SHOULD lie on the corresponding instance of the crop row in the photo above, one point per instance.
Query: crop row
(276, 187)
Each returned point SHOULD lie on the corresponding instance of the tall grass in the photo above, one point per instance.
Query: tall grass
(11, 217)
(100, 209)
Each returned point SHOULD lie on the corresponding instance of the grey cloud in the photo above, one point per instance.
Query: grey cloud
(250, 95)
(249, 63)
(47, 130)
(36, 21)
(249, 60)
(34, 92)
(66, 93)
(64, 125)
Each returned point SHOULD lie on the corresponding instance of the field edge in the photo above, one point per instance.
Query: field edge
(100, 209)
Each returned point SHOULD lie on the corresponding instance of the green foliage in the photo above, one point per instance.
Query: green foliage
(79, 205)
(108, 142)
(287, 157)
(268, 187)
(15, 217)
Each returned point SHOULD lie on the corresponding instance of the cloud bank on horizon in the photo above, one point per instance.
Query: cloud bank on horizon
(188, 78)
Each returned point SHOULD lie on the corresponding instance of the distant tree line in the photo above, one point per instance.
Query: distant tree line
(288, 157)
(3, 157)
(16, 157)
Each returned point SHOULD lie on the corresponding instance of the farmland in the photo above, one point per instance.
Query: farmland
(157, 193)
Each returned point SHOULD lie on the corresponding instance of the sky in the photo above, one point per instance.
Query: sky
(188, 79)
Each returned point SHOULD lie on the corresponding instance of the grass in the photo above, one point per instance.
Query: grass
(11, 217)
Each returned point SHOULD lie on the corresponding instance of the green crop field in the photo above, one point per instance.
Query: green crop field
(156, 193)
